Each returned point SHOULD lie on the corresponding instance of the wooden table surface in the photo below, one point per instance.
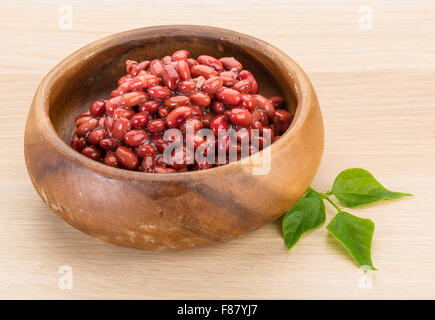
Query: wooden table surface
(372, 64)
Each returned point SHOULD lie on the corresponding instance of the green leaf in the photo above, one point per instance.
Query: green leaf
(355, 234)
(357, 187)
(306, 215)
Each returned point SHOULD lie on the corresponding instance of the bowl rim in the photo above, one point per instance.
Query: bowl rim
(303, 91)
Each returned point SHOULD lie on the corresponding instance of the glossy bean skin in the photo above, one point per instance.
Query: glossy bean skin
(111, 160)
(177, 116)
(240, 117)
(199, 99)
(229, 96)
(126, 157)
(135, 137)
(120, 127)
(92, 152)
(178, 91)
(159, 92)
(231, 64)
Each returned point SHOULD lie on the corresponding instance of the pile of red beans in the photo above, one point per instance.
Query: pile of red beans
(127, 130)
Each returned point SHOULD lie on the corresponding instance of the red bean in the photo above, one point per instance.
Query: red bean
(126, 157)
(247, 102)
(129, 65)
(177, 116)
(123, 113)
(159, 169)
(166, 60)
(246, 75)
(243, 86)
(145, 149)
(159, 92)
(156, 68)
(163, 112)
(199, 99)
(81, 120)
(150, 106)
(96, 136)
(229, 96)
(277, 101)
(180, 55)
(120, 127)
(135, 137)
(282, 116)
(98, 108)
(211, 62)
(140, 67)
(111, 160)
(92, 152)
(78, 143)
(140, 120)
(218, 107)
(196, 111)
(124, 79)
(170, 76)
(86, 127)
(85, 113)
(156, 126)
(148, 164)
(176, 101)
(191, 123)
(186, 86)
(219, 123)
(109, 144)
(212, 85)
(202, 70)
(264, 104)
(230, 63)
(206, 120)
(183, 70)
(241, 117)
(192, 62)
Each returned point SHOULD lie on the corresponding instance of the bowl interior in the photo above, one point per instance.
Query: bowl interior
(92, 72)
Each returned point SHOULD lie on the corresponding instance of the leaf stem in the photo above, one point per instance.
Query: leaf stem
(325, 196)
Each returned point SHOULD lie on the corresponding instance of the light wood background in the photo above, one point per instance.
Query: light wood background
(377, 92)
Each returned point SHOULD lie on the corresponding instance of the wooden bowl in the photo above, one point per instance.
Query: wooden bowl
(168, 211)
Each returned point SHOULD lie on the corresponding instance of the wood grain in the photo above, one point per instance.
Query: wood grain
(376, 90)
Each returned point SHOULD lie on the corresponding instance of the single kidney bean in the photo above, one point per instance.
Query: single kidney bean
(219, 123)
(108, 124)
(230, 63)
(263, 118)
(218, 107)
(212, 85)
(159, 92)
(264, 104)
(176, 101)
(256, 115)
(126, 157)
(145, 149)
(163, 112)
(120, 127)
(180, 55)
(129, 99)
(170, 76)
(192, 62)
(166, 60)
(156, 125)
(243, 86)
(199, 99)
(282, 116)
(228, 96)
(257, 125)
(240, 117)
(246, 75)
(109, 144)
(135, 137)
(277, 101)
(81, 120)
(202, 70)
(148, 164)
(177, 116)
(156, 68)
(247, 102)
(191, 123)
(141, 82)
(186, 87)
(129, 65)
(229, 78)
(139, 67)
(211, 62)
(140, 119)
(95, 136)
(111, 160)
(92, 152)
(183, 70)
(124, 79)
(150, 106)
(159, 142)
(98, 108)
(123, 113)
(86, 127)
